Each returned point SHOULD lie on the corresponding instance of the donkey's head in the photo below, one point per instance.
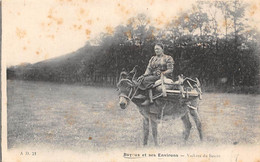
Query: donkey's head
(125, 87)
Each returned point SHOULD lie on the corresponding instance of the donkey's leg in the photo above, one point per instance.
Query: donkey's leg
(187, 124)
(146, 130)
(154, 132)
(194, 113)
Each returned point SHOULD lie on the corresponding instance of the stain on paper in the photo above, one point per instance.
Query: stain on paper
(21, 33)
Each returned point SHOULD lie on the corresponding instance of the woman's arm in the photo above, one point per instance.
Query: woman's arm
(148, 70)
(169, 65)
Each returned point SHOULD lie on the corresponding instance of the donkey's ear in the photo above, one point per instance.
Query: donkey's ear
(123, 75)
(134, 69)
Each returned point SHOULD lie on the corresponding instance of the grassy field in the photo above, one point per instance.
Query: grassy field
(83, 118)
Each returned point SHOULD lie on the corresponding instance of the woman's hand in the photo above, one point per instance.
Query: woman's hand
(140, 78)
(158, 72)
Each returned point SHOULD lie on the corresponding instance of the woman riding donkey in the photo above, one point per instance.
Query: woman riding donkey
(160, 64)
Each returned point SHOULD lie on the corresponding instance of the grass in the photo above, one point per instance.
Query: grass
(84, 118)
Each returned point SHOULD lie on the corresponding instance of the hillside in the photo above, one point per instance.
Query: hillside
(65, 68)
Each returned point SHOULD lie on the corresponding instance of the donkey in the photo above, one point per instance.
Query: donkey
(172, 106)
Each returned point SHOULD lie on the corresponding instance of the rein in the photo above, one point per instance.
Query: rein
(134, 93)
(129, 97)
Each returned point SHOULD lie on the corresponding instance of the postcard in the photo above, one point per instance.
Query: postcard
(130, 80)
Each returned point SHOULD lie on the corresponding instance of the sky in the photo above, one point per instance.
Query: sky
(36, 30)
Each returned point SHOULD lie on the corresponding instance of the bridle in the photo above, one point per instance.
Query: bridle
(133, 88)
(132, 92)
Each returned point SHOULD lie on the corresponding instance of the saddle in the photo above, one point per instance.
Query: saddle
(167, 88)
(167, 82)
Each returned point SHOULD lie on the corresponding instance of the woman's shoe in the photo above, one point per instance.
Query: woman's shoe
(146, 102)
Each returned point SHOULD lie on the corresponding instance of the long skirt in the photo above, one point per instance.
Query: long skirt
(149, 80)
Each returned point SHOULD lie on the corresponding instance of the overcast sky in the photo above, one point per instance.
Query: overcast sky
(34, 30)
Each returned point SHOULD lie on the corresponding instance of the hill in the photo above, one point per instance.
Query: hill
(67, 68)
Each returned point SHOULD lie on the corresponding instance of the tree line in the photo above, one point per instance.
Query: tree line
(212, 41)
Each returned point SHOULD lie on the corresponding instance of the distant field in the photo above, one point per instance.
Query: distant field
(88, 118)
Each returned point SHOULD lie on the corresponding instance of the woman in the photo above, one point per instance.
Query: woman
(158, 64)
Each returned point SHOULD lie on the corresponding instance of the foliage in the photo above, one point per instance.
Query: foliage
(212, 41)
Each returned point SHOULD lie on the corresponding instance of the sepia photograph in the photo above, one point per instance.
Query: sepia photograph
(130, 80)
